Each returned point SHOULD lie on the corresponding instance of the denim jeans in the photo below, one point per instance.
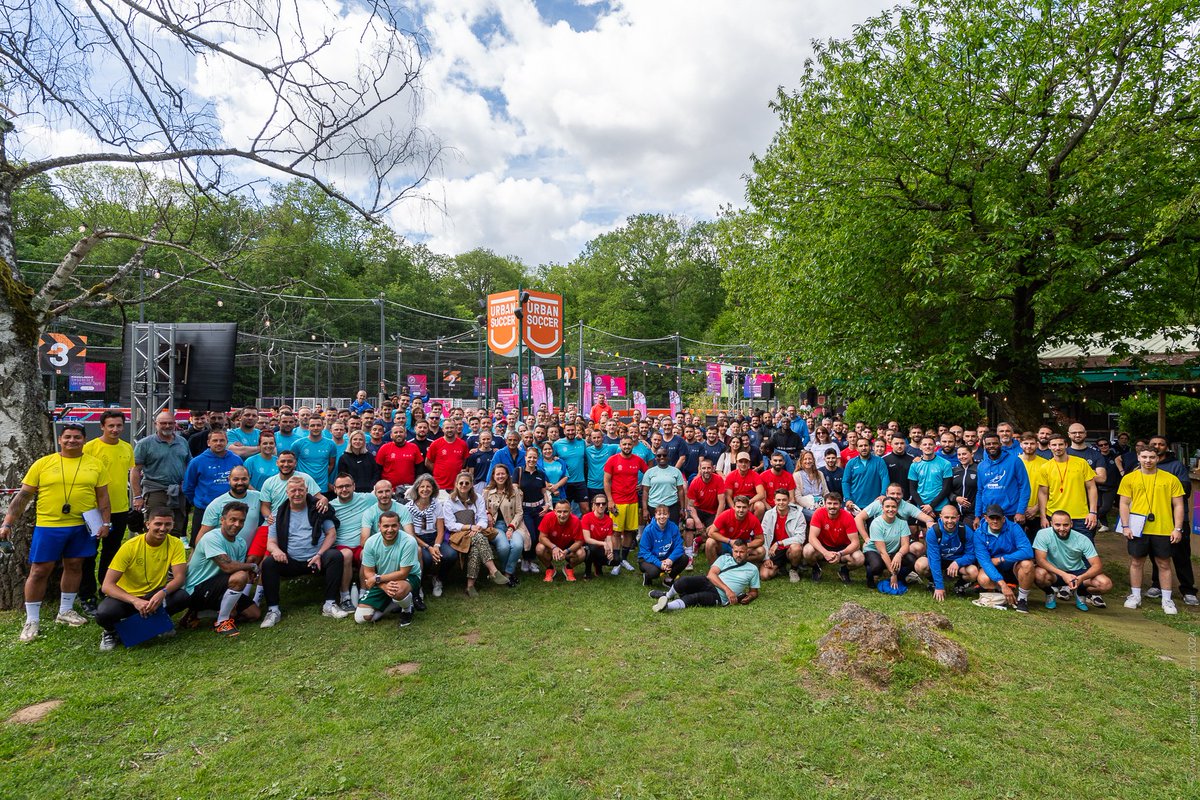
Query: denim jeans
(508, 552)
(449, 558)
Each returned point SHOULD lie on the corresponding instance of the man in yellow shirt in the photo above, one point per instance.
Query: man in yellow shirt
(1033, 466)
(66, 484)
(1068, 484)
(149, 571)
(117, 455)
(1152, 521)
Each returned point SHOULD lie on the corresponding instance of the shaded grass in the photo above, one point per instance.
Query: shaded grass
(580, 691)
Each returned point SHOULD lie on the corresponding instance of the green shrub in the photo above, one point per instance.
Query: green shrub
(1139, 416)
(924, 410)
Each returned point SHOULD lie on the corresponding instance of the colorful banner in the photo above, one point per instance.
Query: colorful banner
(418, 385)
(537, 382)
(92, 379)
(507, 399)
(543, 331)
(512, 380)
(752, 386)
(550, 399)
(502, 323)
(713, 384)
(587, 393)
(610, 385)
(481, 387)
(639, 402)
(1196, 513)
(676, 404)
(60, 353)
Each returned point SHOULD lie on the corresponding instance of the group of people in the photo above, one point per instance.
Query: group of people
(388, 506)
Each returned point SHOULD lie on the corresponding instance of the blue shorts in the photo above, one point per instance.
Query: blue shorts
(51, 544)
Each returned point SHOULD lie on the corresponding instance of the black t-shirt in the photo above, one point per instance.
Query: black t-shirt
(532, 485)
(833, 479)
(897, 467)
(712, 451)
(478, 462)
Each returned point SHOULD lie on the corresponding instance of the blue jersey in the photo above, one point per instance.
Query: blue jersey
(597, 457)
(572, 453)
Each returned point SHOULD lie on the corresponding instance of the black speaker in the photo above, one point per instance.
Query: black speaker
(204, 363)
(768, 391)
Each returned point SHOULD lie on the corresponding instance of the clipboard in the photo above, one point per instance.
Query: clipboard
(136, 629)
(1137, 523)
(93, 519)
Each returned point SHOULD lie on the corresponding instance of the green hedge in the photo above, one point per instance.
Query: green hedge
(924, 410)
(1139, 416)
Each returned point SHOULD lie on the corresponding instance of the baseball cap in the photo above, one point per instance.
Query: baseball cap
(993, 510)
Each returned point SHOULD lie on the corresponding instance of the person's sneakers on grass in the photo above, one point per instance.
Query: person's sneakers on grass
(1168, 607)
(108, 641)
(29, 631)
(570, 573)
(406, 617)
(549, 576)
(1082, 606)
(793, 575)
(437, 587)
(1154, 593)
(332, 609)
(271, 618)
(1051, 601)
(816, 573)
(1191, 600)
(1097, 601)
(844, 575)
(227, 628)
(71, 617)
(657, 593)
(1022, 606)
(1133, 601)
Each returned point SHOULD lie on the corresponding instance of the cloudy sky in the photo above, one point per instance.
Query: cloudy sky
(566, 117)
(561, 117)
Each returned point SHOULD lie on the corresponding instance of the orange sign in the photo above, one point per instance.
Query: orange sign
(502, 323)
(543, 323)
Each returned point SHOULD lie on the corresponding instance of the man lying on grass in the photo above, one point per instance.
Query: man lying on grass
(731, 580)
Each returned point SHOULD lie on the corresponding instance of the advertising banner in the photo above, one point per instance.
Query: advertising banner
(537, 381)
(92, 379)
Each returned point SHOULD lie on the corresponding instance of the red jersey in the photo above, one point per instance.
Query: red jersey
(771, 482)
(626, 478)
(446, 460)
(728, 526)
(706, 496)
(599, 528)
(399, 462)
(848, 454)
(562, 535)
(737, 484)
(603, 408)
(780, 528)
(834, 533)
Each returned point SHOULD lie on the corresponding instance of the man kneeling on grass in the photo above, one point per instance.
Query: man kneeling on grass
(219, 575)
(560, 541)
(731, 580)
(391, 573)
(1066, 557)
(147, 573)
(1005, 557)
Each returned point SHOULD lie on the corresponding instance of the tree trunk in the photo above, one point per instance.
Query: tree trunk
(25, 433)
(1021, 404)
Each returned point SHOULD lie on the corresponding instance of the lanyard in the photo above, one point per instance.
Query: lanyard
(1149, 494)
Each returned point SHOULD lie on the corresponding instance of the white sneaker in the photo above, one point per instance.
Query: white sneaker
(626, 565)
(271, 619)
(1191, 600)
(437, 588)
(331, 609)
(108, 641)
(1133, 602)
(793, 575)
(691, 567)
(71, 617)
(29, 631)
(616, 571)
(1168, 607)
(660, 603)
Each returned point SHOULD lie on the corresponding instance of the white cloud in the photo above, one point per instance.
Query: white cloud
(657, 108)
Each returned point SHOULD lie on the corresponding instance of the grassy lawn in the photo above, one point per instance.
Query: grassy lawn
(580, 691)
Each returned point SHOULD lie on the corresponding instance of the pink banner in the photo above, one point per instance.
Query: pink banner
(537, 383)
(507, 399)
(587, 393)
(418, 384)
(676, 405)
(713, 376)
(92, 378)
(639, 402)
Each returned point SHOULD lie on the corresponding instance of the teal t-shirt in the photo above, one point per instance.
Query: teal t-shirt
(929, 476)
(212, 513)
(384, 558)
(313, 458)
(370, 517)
(642, 449)
(260, 469)
(597, 457)
(202, 567)
(887, 532)
(907, 511)
(1071, 554)
(664, 483)
(738, 578)
(555, 471)
(244, 438)
(274, 489)
(285, 441)
(350, 515)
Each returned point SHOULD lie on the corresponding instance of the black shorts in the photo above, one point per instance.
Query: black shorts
(1153, 545)
(780, 558)
(706, 519)
(207, 595)
(577, 492)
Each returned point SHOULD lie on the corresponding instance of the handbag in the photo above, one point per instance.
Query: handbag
(461, 540)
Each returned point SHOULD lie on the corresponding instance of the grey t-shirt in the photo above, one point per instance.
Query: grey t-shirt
(300, 546)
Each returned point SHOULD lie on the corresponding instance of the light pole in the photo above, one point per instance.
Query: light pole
(522, 299)
(382, 343)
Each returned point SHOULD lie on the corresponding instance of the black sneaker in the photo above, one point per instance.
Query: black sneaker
(88, 607)
(816, 573)
(1022, 605)
(657, 593)
(419, 600)
(844, 574)
(645, 579)
(406, 618)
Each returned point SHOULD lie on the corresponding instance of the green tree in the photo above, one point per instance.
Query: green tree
(959, 184)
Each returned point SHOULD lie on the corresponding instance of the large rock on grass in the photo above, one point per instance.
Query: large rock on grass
(924, 627)
(862, 643)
